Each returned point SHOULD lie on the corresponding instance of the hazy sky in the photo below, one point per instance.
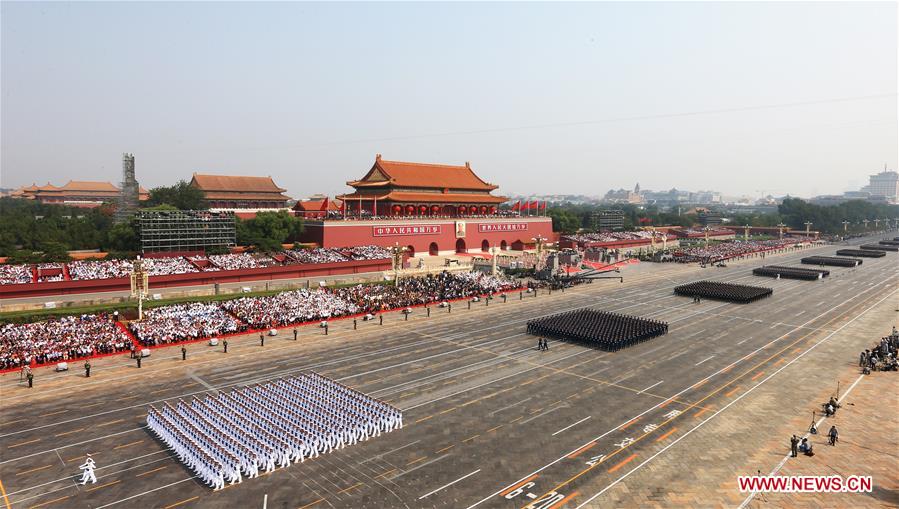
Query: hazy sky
(541, 98)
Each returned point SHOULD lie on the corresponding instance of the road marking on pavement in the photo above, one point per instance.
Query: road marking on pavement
(3, 492)
(128, 444)
(11, 422)
(493, 428)
(666, 435)
(573, 425)
(350, 488)
(446, 448)
(704, 410)
(389, 452)
(38, 469)
(703, 360)
(103, 485)
(622, 463)
(423, 419)
(311, 504)
(13, 446)
(68, 432)
(186, 500)
(760, 373)
(466, 476)
(151, 471)
(650, 387)
(729, 393)
(564, 501)
(517, 485)
(392, 470)
(580, 451)
(416, 461)
(510, 406)
(53, 413)
(469, 439)
(110, 422)
(628, 423)
(48, 502)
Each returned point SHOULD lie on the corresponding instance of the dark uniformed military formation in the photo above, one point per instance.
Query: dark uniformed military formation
(880, 247)
(723, 291)
(242, 432)
(833, 261)
(599, 329)
(781, 271)
(865, 253)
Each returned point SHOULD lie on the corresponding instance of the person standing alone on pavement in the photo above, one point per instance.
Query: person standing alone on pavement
(794, 446)
(833, 435)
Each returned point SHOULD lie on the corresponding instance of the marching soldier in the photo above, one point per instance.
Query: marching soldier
(261, 339)
(225, 344)
(294, 334)
(30, 377)
(87, 369)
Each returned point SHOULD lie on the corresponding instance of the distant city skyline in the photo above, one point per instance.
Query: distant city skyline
(739, 98)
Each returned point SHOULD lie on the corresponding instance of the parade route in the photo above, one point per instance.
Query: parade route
(490, 421)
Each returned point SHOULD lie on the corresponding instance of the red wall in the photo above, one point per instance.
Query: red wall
(195, 278)
(353, 233)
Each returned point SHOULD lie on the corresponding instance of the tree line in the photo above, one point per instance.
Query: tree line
(32, 232)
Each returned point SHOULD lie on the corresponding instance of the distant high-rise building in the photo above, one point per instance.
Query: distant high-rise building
(130, 190)
(884, 184)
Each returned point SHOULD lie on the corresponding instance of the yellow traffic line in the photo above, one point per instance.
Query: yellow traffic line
(350, 488)
(38, 469)
(151, 471)
(311, 504)
(127, 445)
(102, 486)
(47, 503)
(13, 446)
(5, 498)
(68, 432)
(176, 504)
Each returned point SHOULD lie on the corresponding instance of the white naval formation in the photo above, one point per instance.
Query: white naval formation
(224, 437)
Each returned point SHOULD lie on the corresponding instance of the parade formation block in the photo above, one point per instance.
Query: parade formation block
(723, 291)
(833, 261)
(599, 329)
(779, 271)
(224, 437)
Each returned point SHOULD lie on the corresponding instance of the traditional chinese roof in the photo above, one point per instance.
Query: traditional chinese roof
(83, 185)
(421, 175)
(401, 196)
(228, 183)
(315, 205)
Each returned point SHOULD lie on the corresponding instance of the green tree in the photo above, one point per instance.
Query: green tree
(182, 196)
(268, 230)
(123, 237)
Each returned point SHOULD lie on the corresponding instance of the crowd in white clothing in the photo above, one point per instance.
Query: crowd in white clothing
(168, 265)
(240, 261)
(183, 322)
(99, 269)
(15, 274)
(225, 437)
(611, 236)
(49, 272)
(62, 339)
(317, 255)
(728, 250)
(289, 307)
(366, 252)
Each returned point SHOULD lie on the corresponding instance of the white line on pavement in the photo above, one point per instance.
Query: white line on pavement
(450, 484)
(703, 360)
(573, 425)
(650, 387)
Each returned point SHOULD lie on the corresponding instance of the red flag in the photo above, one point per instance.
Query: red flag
(536, 205)
(526, 206)
(517, 206)
(324, 204)
(543, 207)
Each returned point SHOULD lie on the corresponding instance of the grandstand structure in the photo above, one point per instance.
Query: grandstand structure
(186, 230)
(433, 209)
